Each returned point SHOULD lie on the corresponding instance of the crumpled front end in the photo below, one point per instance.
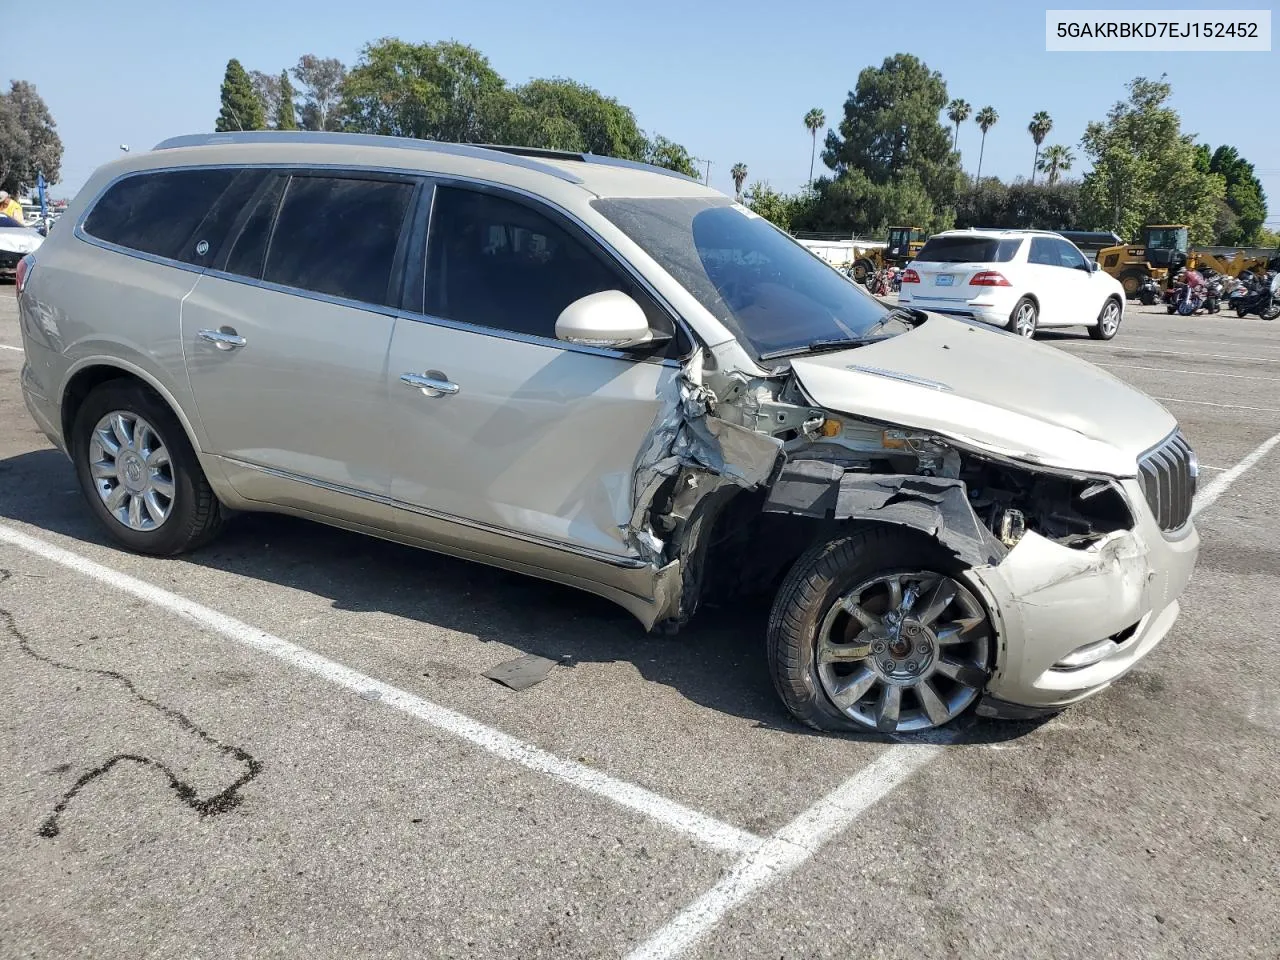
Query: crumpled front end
(1072, 621)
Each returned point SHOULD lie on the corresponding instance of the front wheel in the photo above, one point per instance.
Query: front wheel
(877, 631)
(1108, 322)
(1271, 312)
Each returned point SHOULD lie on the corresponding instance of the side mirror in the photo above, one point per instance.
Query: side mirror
(1092, 265)
(609, 318)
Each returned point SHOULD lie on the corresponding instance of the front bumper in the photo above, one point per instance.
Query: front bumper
(1119, 597)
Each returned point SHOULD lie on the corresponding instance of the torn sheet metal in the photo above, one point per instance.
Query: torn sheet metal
(938, 506)
(688, 437)
(523, 672)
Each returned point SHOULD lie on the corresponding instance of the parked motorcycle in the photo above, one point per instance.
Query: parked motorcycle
(884, 281)
(1150, 292)
(1186, 294)
(1261, 296)
(1213, 291)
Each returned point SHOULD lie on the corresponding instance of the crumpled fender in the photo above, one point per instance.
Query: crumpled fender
(936, 506)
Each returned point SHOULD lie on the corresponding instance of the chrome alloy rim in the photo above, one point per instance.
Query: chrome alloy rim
(1024, 321)
(904, 652)
(131, 470)
(1110, 319)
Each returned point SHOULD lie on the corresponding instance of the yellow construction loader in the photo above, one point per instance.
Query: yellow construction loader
(904, 243)
(1164, 250)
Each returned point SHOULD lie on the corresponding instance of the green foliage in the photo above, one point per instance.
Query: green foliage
(775, 207)
(1039, 128)
(1145, 169)
(285, 118)
(991, 203)
(986, 119)
(241, 106)
(666, 153)
(958, 112)
(1244, 198)
(321, 80)
(29, 141)
(1055, 159)
(814, 121)
(432, 91)
(1267, 238)
(891, 156)
(566, 115)
(739, 173)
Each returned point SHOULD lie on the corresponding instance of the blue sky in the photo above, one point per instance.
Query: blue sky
(730, 80)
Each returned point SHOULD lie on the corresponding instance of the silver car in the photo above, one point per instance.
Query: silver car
(610, 376)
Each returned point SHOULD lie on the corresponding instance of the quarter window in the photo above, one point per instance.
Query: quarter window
(158, 213)
(497, 263)
(338, 236)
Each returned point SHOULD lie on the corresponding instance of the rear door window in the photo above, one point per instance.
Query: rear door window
(157, 213)
(339, 236)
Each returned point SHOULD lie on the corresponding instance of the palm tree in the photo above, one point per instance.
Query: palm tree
(986, 119)
(814, 121)
(739, 173)
(958, 112)
(1054, 160)
(1039, 128)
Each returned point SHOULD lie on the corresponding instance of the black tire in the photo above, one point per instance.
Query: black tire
(195, 515)
(862, 271)
(1020, 325)
(816, 581)
(1100, 332)
(1242, 313)
(1171, 309)
(1271, 312)
(1132, 280)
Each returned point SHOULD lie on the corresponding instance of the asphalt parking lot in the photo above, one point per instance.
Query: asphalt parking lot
(283, 745)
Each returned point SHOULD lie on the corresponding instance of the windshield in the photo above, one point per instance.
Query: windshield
(1168, 238)
(768, 290)
(968, 249)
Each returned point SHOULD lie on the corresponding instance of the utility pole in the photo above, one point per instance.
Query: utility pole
(708, 180)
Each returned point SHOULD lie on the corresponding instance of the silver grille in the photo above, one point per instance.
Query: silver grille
(1168, 475)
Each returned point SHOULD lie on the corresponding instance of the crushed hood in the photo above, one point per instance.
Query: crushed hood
(994, 391)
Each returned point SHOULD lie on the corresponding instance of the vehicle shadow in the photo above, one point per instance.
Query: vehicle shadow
(717, 661)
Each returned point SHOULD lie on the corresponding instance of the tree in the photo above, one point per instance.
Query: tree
(567, 115)
(29, 141)
(433, 91)
(814, 121)
(1039, 128)
(991, 203)
(1145, 170)
(267, 87)
(739, 173)
(662, 152)
(1055, 159)
(853, 204)
(770, 204)
(241, 107)
(1245, 200)
(285, 118)
(891, 133)
(986, 119)
(958, 112)
(321, 80)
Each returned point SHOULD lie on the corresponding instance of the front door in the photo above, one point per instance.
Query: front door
(495, 421)
(286, 340)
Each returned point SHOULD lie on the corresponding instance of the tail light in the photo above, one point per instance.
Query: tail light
(910, 276)
(20, 275)
(988, 278)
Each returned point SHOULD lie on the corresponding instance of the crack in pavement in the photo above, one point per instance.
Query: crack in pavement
(221, 802)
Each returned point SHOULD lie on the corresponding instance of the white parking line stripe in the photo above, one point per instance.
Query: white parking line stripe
(1210, 403)
(5, 346)
(1194, 373)
(708, 830)
(786, 850)
(1218, 485)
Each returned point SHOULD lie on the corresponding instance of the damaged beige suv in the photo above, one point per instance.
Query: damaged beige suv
(609, 376)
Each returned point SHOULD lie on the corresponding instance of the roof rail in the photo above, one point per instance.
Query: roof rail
(595, 158)
(472, 151)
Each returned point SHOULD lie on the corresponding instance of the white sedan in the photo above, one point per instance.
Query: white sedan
(1020, 280)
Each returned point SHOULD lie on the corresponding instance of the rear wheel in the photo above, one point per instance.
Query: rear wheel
(1108, 322)
(1024, 318)
(877, 631)
(139, 473)
(1271, 312)
(862, 270)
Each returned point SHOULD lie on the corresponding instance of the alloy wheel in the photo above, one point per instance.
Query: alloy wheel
(1024, 321)
(131, 470)
(1110, 321)
(904, 652)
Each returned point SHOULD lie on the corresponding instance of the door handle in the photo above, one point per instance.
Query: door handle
(224, 339)
(432, 384)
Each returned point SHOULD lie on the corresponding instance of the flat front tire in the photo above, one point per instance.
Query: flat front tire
(877, 631)
(138, 472)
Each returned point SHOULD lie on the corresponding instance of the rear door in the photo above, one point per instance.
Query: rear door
(525, 433)
(286, 338)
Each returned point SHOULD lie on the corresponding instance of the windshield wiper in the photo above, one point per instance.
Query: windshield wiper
(904, 314)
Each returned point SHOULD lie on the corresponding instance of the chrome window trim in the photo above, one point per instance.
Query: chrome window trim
(630, 563)
(696, 343)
